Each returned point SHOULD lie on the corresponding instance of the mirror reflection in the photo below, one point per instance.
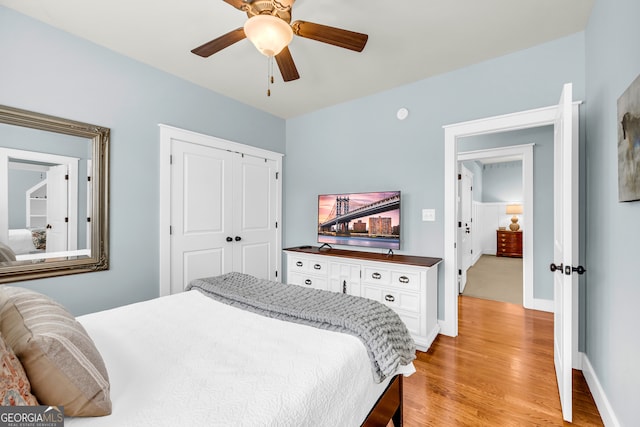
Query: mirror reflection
(48, 178)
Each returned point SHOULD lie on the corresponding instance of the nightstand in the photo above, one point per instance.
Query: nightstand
(509, 243)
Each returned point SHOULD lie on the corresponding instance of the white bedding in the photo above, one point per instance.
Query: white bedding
(21, 241)
(187, 360)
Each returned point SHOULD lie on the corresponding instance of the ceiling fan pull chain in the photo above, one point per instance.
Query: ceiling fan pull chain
(269, 74)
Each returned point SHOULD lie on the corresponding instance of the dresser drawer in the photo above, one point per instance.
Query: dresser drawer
(308, 281)
(393, 298)
(404, 280)
(305, 265)
(377, 276)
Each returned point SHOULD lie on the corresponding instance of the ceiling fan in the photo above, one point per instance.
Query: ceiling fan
(270, 29)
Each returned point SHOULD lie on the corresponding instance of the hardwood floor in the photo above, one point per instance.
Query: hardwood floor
(497, 372)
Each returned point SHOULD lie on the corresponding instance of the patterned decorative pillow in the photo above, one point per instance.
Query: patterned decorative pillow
(60, 359)
(39, 239)
(15, 389)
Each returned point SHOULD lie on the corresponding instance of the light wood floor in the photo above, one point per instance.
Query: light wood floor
(497, 372)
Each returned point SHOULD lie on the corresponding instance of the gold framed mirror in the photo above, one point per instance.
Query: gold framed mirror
(54, 196)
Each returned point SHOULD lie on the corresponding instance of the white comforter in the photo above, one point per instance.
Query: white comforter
(187, 360)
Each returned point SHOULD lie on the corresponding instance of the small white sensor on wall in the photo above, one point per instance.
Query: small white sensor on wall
(402, 113)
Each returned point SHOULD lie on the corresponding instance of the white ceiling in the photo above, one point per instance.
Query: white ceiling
(408, 41)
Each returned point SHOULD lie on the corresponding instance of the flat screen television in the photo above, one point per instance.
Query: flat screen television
(360, 219)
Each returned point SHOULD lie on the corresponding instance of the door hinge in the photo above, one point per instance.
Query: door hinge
(170, 159)
(277, 175)
(471, 251)
(276, 224)
(88, 219)
(66, 219)
(66, 177)
(170, 230)
(459, 177)
(276, 273)
(89, 178)
(459, 224)
(459, 272)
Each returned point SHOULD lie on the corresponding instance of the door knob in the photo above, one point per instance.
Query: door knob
(238, 238)
(553, 267)
(229, 239)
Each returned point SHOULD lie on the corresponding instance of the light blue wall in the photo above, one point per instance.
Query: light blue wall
(52, 72)
(612, 279)
(361, 146)
(502, 182)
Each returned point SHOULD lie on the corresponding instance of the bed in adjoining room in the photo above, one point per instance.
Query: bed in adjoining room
(190, 359)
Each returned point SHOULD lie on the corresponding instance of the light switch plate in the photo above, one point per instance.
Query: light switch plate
(428, 214)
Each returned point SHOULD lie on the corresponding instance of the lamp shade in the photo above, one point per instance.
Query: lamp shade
(268, 33)
(515, 209)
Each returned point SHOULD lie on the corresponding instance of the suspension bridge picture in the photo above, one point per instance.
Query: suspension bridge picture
(360, 219)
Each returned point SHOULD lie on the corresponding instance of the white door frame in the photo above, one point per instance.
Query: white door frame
(515, 121)
(168, 133)
(523, 152)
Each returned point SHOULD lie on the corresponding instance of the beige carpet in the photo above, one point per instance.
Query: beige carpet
(495, 278)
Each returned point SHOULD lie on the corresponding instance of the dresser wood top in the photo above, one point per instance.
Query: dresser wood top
(369, 256)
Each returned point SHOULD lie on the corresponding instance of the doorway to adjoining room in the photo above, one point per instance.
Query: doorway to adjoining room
(490, 243)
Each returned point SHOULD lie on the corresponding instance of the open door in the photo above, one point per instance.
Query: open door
(465, 225)
(565, 248)
(57, 209)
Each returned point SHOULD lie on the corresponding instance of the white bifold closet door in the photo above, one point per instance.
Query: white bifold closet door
(223, 214)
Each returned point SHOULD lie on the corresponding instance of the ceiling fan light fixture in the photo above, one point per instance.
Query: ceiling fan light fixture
(268, 33)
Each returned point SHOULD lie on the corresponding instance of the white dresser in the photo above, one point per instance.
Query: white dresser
(407, 284)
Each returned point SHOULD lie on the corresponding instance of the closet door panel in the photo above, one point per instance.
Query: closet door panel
(201, 213)
(255, 222)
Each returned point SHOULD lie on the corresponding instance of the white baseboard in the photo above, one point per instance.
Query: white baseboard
(602, 403)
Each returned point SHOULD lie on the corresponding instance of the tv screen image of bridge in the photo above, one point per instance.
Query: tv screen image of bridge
(370, 215)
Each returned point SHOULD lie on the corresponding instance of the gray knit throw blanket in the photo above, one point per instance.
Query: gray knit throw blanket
(383, 333)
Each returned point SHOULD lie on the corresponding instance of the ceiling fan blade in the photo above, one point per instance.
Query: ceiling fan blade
(287, 66)
(238, 4)
(216, 45)
(331, 35)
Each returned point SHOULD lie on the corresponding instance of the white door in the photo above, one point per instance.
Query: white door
(201, 213)
(465, 229)
(223, 214)
(254, 216)
(565, 245)
(57, 209)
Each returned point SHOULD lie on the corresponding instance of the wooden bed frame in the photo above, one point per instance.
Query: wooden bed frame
(388, 407)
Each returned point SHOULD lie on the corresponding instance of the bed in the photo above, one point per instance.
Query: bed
(188, 359)
(23, 241)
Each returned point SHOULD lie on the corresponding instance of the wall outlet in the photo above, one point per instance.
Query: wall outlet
(428, 214)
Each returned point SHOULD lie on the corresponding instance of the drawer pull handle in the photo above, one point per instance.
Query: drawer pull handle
(376, 276)
(403, 279)
(389, 298)
(307, 282)
(298, 263)
(317, 266)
